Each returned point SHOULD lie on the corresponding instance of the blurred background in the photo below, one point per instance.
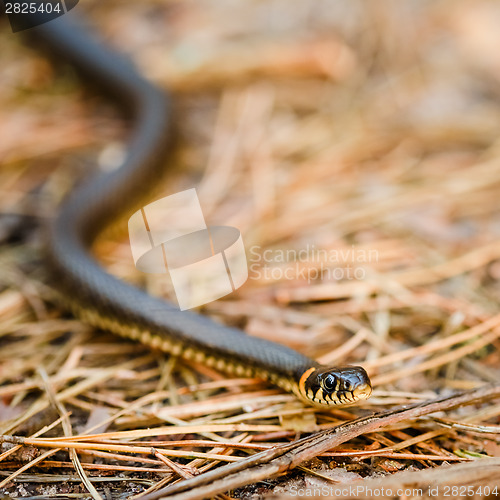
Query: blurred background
(362, 134)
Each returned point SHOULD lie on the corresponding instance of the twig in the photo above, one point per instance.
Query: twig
(480, 429)
(180, 471)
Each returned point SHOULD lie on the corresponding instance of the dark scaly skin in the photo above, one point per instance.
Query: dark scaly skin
(108, 303)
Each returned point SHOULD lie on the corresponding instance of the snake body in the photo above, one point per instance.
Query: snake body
(108, 303)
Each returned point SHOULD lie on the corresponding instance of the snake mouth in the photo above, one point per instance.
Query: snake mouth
(363, 391)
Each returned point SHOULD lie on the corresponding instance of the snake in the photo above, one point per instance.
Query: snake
(107, 303)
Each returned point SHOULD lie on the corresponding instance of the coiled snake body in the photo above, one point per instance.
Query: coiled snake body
(108, 303)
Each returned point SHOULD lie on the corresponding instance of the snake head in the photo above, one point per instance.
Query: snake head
(335, 386)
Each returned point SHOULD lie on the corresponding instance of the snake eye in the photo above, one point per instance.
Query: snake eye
(329, 382)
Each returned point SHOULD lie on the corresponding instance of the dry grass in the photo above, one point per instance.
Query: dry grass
(364, 134)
